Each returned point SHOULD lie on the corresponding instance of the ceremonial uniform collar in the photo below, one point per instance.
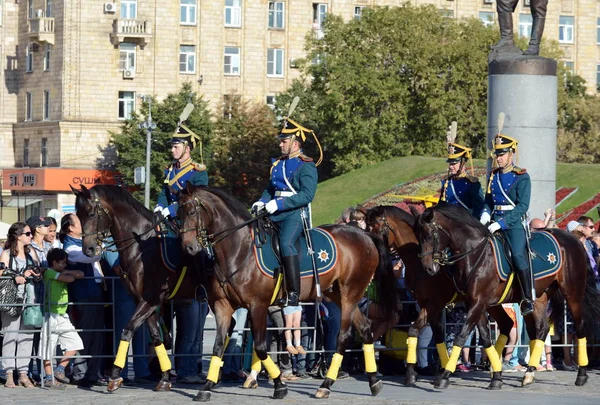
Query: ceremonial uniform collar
(180, 165)
(507, 169)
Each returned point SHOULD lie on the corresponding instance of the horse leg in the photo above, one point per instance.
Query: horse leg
(343, 338)
(363, 326)
(223, 311)
(435, 321)
(495, 363)
(582, 358)
(255, 366)
(142, 311)
(258, 317)
(159, 348)
(411, 343)
(537, 326)
(473, 316)
(505, 324)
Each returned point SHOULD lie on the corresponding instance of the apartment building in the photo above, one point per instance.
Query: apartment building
(73, 70)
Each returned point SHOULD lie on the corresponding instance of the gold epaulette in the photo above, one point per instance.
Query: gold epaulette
(305, 158)
(472, 179)
(519, 170)
(199, 167)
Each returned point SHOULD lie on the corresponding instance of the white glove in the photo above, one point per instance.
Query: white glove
(485, 218)
(258, 206)
(271, 206)
(158, 208)
(165, 212)
(495, 226)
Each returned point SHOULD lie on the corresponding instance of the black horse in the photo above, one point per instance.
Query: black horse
(110, 210)
(212, 219)
(447, 227)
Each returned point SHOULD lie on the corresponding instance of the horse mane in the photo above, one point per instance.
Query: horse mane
(233, 203)
(120, 195)
(392, 212)
(456, 213)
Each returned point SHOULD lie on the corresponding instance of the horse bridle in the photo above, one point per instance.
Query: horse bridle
(100, 235)
(202, 235)
(386, 228)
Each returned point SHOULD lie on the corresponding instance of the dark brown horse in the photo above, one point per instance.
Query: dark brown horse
(111, 210)
(432, 292)
(212, 218)
(447, 227)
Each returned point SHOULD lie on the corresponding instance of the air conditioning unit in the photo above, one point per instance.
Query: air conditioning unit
(129, 73)
(293, 64)
(39, 13)
(110, 8)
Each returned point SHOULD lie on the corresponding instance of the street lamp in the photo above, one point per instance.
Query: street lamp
(149, 126)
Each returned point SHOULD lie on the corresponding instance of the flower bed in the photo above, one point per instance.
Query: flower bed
(564, 193)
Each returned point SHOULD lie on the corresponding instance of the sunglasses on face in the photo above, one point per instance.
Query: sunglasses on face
(27, 233)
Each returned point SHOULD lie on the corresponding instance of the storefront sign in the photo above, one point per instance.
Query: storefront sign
(55, 179)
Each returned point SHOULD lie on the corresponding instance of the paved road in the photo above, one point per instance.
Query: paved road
(554, 388)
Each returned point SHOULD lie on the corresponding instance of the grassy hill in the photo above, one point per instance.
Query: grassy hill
(334, 195)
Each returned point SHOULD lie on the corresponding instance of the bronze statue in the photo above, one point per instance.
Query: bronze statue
(505, 10)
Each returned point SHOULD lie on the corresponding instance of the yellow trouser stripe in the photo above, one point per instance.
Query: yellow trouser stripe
(536, 352)
(369, 353)
(255, 362)
(163, 359)
(443, 353)
(494, 358)
(500, 344)
(582, 358)
(213, 369)
(451, 365)
(334, 368)
(411, 344)
(122, 354)
(271, 368)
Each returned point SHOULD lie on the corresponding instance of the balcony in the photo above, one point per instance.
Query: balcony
(41, 29)
(131, 30)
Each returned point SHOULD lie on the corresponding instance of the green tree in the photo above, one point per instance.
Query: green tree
(244, 142)
(130, 143)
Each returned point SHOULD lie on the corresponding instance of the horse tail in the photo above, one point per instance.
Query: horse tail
(385, 281)
(591, 304)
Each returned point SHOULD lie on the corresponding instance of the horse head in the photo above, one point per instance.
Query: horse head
(433, 239)
(195, 220)
(393, 223)
(95, 220)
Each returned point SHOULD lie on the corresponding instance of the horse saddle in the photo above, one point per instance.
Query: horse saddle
(266, 252)
(546, 257)
(170, 251)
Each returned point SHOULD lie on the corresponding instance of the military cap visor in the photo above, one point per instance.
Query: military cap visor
(457, 152)
(182, 135)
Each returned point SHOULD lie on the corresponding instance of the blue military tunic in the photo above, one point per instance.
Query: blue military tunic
(176, 177)
(292, 196)
(464, 191)
(507, 203)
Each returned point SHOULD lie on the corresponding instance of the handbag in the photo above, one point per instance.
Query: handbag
(32, 315)
(9, 294)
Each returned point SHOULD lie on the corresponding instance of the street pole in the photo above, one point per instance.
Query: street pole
(149, 126)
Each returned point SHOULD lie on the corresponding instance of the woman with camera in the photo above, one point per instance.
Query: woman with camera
(19, 262)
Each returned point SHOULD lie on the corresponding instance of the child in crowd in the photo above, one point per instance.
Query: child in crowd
(293, 316)
(56, 279)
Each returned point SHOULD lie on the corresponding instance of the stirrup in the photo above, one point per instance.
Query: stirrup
(289, 300)
(526, 307)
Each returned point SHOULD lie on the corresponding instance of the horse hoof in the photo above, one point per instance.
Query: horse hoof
(280, 393)
(163, 386)
(202, 396)
(528, 379)
(376, 388)
(581, 380)
(114, 385)
(323, 393)
(441, 382)
(410, 378)
(250, 383)
(495, 385)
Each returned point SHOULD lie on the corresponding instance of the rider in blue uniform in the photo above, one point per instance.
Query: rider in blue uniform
(460, 188)
(507, 201)
(181, 171)
(292, 187)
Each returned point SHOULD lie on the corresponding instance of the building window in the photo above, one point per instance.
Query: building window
(597, 77)
(271, 102)
(44, 152)
(187, 59)
(447, 13)
(525, 23)
(29, 9)
(126, 104)
(232, 61)
(566, 26)
(128, 8)
(48, 8)
(188, 12)
(228, 106)
(233, 13)
(47, 57)
(319, 14)
(358, 11)
(276, 14)
(570, 67)
(28, 106)
(29, 58)
(46, 105)
(598, 31)
(275, 62)
(25, 152)
(487, 18)
(126, 56)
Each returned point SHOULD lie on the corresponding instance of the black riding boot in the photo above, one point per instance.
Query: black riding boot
(525, 280)
(506, 31)
(537, 30)
(291, 266)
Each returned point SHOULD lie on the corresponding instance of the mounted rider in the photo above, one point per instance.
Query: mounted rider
(460, 188)
(181, 171)
(291, 189)
(506, 203)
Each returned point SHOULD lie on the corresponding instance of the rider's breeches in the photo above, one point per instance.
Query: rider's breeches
(518, 245)
(289, 233)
